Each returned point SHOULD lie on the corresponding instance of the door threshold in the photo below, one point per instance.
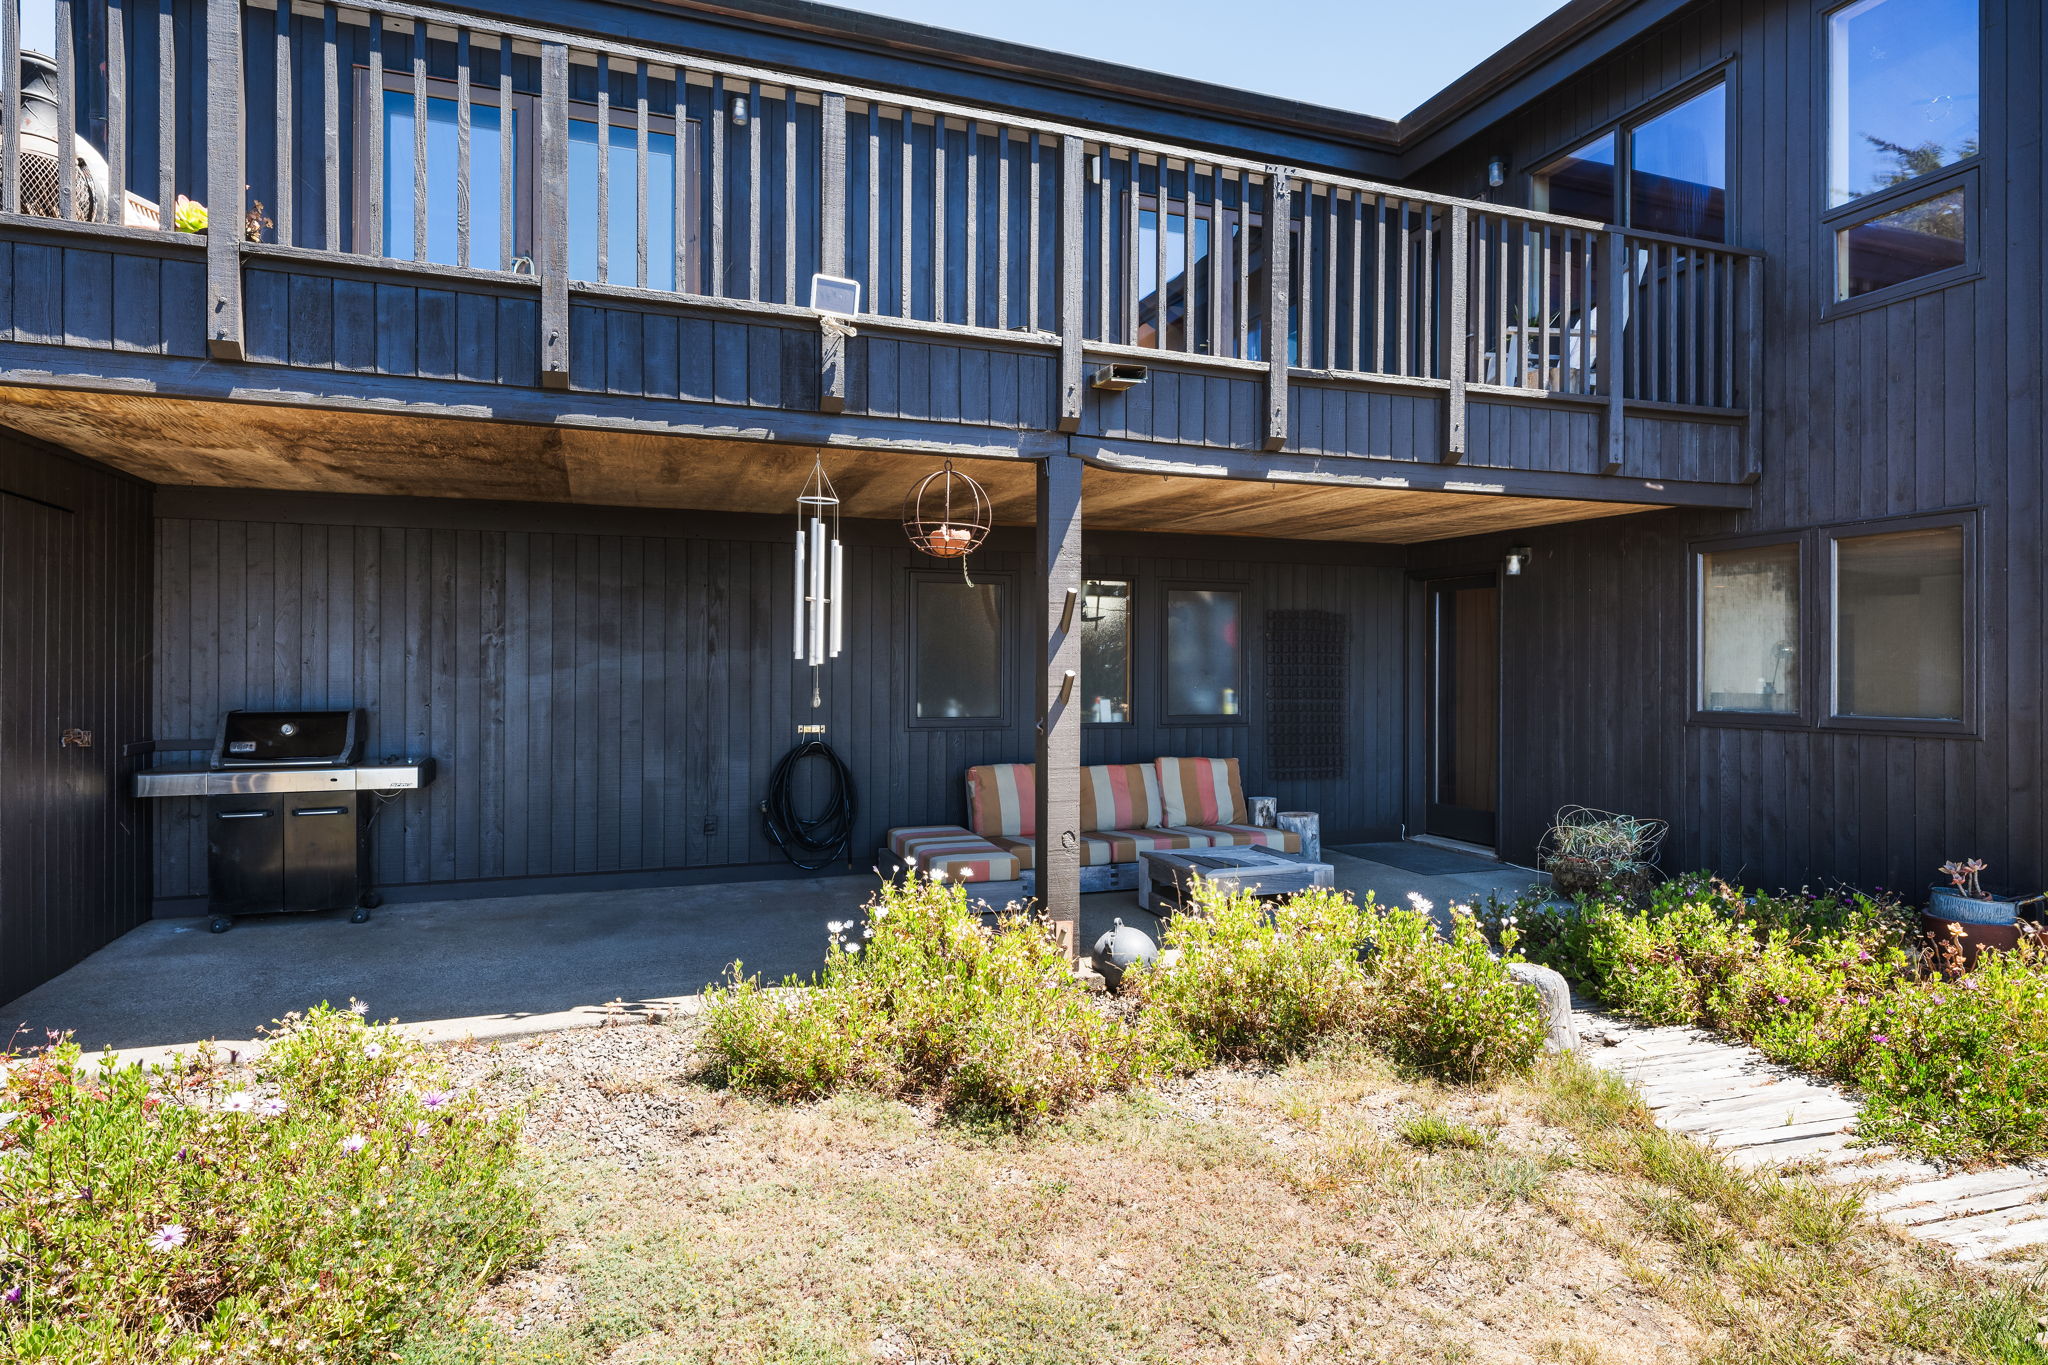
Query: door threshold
(1456, 846)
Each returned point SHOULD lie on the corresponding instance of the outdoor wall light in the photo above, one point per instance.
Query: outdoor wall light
(1518, 559)
(1496, 173)
(739, 109)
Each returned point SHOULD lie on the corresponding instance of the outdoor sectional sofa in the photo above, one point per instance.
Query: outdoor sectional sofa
(1170, 803)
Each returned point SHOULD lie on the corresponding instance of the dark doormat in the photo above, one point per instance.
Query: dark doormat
(1420, 859)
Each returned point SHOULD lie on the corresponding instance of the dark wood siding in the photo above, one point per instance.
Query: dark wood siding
(606, 691)
(1934, 401)
(74, 648)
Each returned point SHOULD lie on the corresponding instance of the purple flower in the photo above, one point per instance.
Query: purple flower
(353, 1143)
(434, 1099)
(1783, 1000)
(272, 1108)
(1880, 1037)
(13, 1295)
(169, 1237)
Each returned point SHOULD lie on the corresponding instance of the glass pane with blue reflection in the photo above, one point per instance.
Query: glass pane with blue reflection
(1902, 92)
(486, 172)
(1678, 169)
(622, 219)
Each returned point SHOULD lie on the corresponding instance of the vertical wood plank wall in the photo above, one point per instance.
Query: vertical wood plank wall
(1931, 402)
(606, 691)
(74, 649)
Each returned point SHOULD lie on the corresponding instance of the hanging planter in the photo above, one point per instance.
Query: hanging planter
(947, 515)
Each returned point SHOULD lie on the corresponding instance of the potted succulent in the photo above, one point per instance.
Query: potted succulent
(1586, 850)
(1966, 917)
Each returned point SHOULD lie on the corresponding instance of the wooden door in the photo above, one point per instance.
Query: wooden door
(1462, 708)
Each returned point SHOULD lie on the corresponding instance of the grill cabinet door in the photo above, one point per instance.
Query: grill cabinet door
(245, 854)
(321, 839)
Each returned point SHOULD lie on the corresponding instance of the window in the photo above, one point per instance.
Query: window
(622, 216)
(1902, 91)
(1673, 179)
(1902, 111)
(1204, 652)
(1106, 650)
(1898, 624)
(1749, 630)
(959, 650)
(486, 177)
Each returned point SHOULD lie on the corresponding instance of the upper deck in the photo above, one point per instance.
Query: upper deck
(416, 211)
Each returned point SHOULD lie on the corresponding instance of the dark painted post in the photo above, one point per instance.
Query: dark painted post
(1279, 290)
(551, 217)
(1073, 227)
(1621, 266)
(1456, 320)
(1059, 668)
(1753, 368)
(224, 179)
(832, 246)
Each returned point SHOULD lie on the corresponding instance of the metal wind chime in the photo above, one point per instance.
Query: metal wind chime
(820, 575)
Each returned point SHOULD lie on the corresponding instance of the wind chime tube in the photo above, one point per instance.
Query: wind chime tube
(837, 595)
(817, 591)
(796, 624)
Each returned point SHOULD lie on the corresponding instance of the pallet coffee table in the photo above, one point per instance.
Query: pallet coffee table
(1165, 876)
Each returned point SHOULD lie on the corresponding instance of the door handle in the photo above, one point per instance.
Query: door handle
(243, 815)
(321, 810)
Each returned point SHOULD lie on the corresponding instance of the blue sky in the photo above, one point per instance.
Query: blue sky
(1373, 56)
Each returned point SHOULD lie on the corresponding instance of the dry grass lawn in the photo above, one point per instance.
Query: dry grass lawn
(1327, 1212)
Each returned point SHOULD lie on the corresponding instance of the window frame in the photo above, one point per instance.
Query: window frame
(1799, 717)
(1817, 589)
(1166, 588)
(1006, 652)
(1724, 73)
(1828, 537)
(1961, 174)
(1130, 649)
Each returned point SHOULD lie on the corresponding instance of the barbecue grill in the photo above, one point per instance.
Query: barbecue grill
(288, 812)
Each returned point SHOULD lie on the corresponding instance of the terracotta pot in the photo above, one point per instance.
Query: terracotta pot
(1976, 939)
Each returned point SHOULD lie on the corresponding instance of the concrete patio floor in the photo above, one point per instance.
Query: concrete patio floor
(517, 964)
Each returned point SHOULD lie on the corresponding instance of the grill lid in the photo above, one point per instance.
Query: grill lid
(286, 739)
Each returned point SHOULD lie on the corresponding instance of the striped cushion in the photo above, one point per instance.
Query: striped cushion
(1251, 836)
(1001, 800)
(1201, 791)
(1128, 843)
(1120, 796)
(960, 854)
(1096, 851)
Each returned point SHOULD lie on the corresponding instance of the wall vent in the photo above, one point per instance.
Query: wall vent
(1307, 676)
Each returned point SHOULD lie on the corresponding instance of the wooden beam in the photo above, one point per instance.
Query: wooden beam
(1073, 226)
(1059, 703)
(1613, 360)
(224, 179)
(1279, 289)
(551, 216)
(1455, 317)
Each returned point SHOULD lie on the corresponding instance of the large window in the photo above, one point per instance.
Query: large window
(1664, 172)
(1204, 652)
(1903, 123)
(487, 172)
(1749, 629)
(1106, 650)
(959, 650)
(1898, 624)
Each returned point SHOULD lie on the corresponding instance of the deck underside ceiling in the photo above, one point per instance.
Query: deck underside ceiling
(227, 445)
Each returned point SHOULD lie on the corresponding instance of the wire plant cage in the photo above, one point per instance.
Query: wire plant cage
(948, 515)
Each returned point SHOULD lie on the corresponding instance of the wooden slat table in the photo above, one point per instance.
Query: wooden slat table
(1165, 876)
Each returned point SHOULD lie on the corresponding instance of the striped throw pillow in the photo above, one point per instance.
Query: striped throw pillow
(1120, 796)
(1201, 791)
(1002, 800)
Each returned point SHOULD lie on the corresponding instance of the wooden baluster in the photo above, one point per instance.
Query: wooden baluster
(1073, 226)
(1613, 358)
(117, 111)
(874, 281)
(508, 241)
(330, 123)
(282, 44)
(907, 226)
(167, 89)
(719, 112)
(756, 195)
(1455, 328)
(551, 216)
(419, 140)
(970, 225)
(791, 293)
(370, 232)
(224, 161)
(68, 207)
(832, 243)
(643, 226)
(462, 136)
(1003, 228)
(1279, 289)
(1034, 320)
(938, 218)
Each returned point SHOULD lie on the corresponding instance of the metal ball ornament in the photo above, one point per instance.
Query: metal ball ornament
(947, 514)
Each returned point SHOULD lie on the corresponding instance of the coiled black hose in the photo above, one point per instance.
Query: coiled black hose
(812, 841)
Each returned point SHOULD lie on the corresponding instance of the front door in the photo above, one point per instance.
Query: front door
(1462, 700)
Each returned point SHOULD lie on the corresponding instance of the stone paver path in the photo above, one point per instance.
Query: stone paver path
(1729, 1096)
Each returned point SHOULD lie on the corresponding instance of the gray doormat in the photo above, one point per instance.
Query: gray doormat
(1421, 859)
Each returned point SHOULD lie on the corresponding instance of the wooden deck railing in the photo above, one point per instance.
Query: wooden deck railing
(391, 132)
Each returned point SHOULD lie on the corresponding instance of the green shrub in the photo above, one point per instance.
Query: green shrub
(1434, 1132)
(316, 1210)
(926, 1001)
(1260, 983)
(1947, 1069)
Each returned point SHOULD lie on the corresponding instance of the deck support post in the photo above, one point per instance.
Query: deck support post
(831, 245)
(1753, 368)
(1073, 227)
(1456, 318)
(225, 196)
(551, 216)
(1613, 357)
(1058, 797)
(1279, 297)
